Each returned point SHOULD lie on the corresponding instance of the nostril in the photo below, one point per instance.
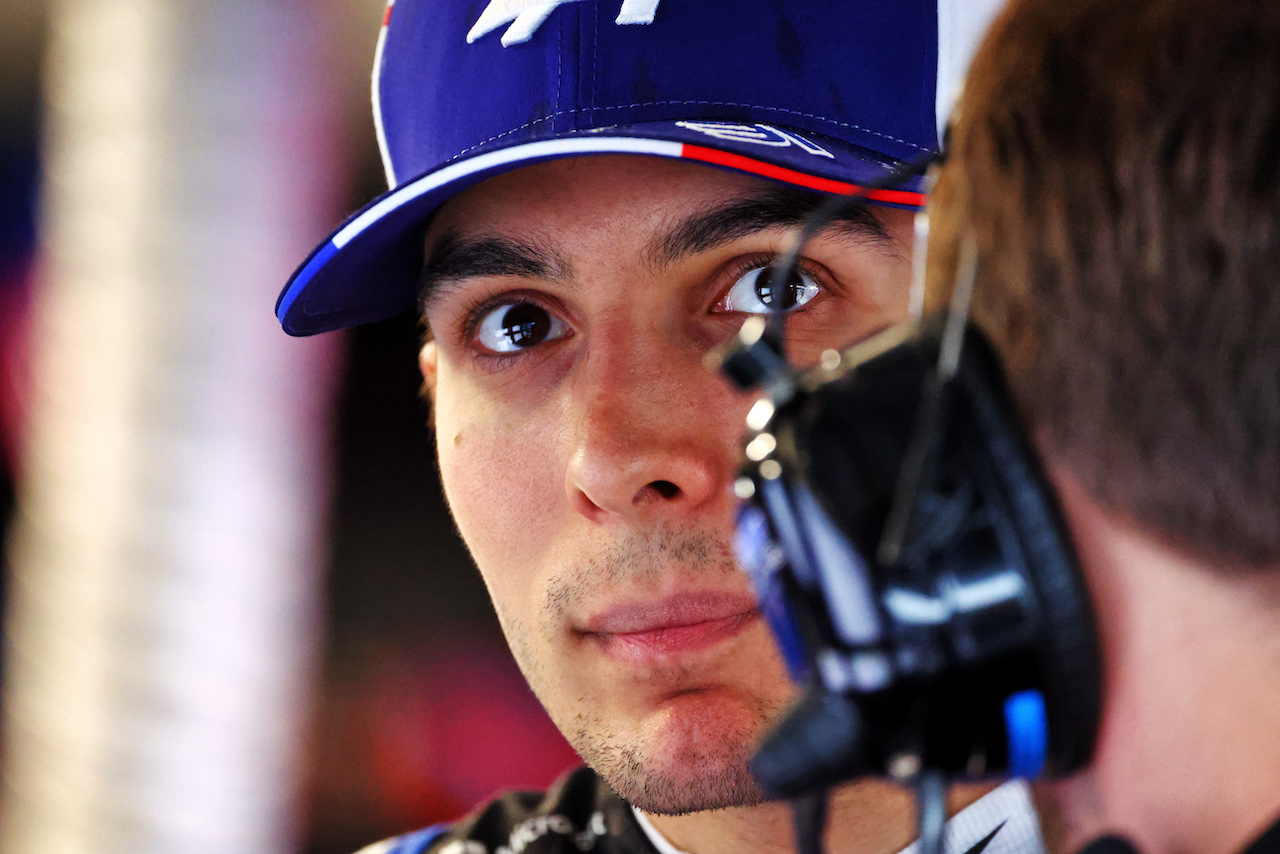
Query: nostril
(665, 488)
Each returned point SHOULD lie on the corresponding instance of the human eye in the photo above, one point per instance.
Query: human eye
(754, 291)
(514, 325)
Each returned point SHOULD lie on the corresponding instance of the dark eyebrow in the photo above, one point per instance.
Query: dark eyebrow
(772, 207)
(454, 258)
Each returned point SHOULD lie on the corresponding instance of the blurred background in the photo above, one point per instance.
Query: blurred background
(236, 614)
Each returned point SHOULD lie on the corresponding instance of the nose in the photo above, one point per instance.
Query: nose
(654, 435)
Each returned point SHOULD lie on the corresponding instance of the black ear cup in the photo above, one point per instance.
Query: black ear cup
(983, 659)
(1066, 646)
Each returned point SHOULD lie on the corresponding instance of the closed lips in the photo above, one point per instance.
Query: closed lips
(681, 610)
(686, 624)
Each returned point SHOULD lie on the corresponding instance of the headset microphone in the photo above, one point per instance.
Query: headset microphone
(910, 559)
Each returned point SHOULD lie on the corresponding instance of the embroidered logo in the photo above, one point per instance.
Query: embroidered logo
(757, 135)
(525, 16)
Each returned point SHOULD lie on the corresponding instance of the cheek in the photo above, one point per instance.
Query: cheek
(504, 483)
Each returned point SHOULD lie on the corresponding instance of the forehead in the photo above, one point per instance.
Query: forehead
(595, 188)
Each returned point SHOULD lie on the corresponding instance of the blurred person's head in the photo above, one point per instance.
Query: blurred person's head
(1117, 164)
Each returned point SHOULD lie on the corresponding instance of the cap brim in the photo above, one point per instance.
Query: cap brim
(368, 269)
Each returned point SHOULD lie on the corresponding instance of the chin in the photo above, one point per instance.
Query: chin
(690, 755)
(684, 793)
(681, 785)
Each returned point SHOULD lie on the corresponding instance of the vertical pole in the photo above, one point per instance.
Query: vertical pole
(165, 559)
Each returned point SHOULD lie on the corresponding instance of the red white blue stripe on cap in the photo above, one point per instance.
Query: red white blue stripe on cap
(554, 148)
(815, 93)
(377, 96)
(611, 145)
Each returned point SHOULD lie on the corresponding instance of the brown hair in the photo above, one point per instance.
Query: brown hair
(1118, 164)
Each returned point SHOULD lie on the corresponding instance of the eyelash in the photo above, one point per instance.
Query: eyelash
(473, 315)
(739, 267)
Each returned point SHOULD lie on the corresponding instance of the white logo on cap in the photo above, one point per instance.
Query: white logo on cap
(525, 16)
(757, 135)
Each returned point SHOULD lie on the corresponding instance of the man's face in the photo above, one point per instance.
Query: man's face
(587, 454)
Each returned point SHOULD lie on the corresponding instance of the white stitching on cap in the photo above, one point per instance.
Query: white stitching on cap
(560, 113)
(524, 126)
(595, 59)
(559, 67)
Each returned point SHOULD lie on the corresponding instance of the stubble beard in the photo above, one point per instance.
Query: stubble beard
(706, 778)
(713, 773)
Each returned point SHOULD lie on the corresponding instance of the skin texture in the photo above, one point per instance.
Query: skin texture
(1188, 757)
(590, 474)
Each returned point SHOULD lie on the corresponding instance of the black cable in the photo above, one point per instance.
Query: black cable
(931, 811)
(835, 206)
(809, 811)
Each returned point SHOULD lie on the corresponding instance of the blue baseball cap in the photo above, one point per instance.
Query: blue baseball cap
(819, 94)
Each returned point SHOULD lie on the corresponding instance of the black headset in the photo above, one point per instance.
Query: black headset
(911, 561)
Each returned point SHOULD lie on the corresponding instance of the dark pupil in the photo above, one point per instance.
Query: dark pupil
(525, 324)
(791, 291)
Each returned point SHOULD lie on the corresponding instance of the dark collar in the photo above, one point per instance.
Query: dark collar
(1267, 843)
